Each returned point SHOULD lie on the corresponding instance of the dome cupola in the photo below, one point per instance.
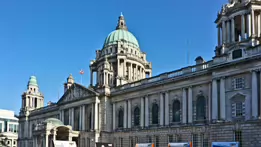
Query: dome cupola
(121, 34)
(32, 81)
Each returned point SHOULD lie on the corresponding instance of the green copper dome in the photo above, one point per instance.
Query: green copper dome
(119, 35)
(54, 121)
(33, 81)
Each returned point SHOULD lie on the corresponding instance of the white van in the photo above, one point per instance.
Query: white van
(180, 144)
(145, 145)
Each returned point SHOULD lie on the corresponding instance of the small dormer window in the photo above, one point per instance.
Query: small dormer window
(237, 54)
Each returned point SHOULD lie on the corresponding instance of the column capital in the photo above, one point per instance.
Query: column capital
(255, 70)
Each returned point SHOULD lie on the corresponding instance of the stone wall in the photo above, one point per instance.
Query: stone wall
(201, 135)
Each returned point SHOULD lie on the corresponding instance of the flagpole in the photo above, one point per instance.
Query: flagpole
(81, 73)
(81, 79)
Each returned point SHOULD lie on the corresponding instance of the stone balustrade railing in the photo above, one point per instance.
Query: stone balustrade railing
(168, 75)
(44, 108)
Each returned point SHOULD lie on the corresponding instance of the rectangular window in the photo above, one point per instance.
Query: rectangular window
(131, 142)
(238, 109)
(195, 140)
(5, 127)
(238, 137)
(66, 117)
(238, 83)
(177, 138)
(149, 139)
(170, 138)
(11, 128)
(156, 141)
(88, 142)
(121, 142)
(204, 139)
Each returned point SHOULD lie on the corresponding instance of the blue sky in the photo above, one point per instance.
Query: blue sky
(53, 38)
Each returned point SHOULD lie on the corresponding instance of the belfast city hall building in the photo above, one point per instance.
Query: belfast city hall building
(211, 101)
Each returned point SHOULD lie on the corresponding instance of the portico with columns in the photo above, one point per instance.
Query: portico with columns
(46, 133)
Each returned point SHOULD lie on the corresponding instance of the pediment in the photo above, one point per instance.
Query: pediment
(76, 92)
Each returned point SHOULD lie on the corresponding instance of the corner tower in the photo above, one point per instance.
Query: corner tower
(120, 61)
(238, 28)
(32, 98)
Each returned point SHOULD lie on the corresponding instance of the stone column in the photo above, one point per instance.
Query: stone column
(142, 112)
(260, 94)
(209, 101)
(91, 73)
(190, 106)
(254, 95)
(131, 75)
(243, 27)
(223, 32)
(184, 106)
(146, 111)
(233, 29)
(214, 100)
(253, 22)
(107, 78)
(222, 99)
(123, 68)
(129, 114)
(83, 117)
(93, 121)
(96, 117)
(249, 25)
(72, 120)
(80, 118)
(46, 139)
(161, 109)
(113, 116)
(70, 116)
(61, 114)
(258, 25)
(54, 135)
(98, 78)
(119, 67)
(125, 115)
(167, 108)
(228, 32)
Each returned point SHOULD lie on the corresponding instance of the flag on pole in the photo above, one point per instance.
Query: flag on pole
(81, 72)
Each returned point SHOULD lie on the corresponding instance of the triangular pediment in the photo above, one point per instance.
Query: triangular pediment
(77, 92)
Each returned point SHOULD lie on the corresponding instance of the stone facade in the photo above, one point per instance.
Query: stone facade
(213, 101)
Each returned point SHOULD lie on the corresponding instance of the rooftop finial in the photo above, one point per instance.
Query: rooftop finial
(121, 23)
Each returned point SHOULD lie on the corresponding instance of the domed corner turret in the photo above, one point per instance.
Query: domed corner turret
(69, 83)
(70, 79)
(32, 81)
(32, 98)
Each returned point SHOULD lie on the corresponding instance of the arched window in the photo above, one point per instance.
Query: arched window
(120, 118)
(200, 108)
(137, 116)
(176, 111)
(155, 113)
